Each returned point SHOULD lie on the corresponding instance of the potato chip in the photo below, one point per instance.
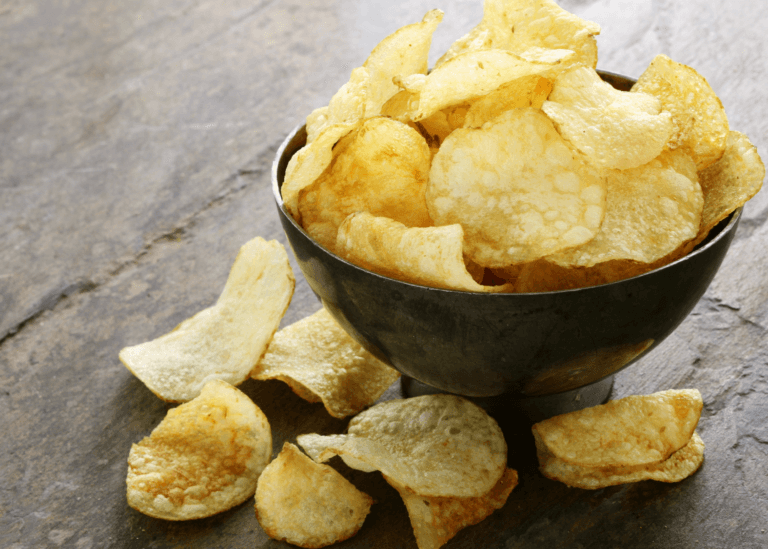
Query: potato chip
(701, 125)
(308, 504)
(321, 362)
(382, 168)
(223, 341)
(632, 431)
(204, 457)
(678, 466)
(730, 182)
(650, 212)
(325, 126)
(516, 188)
(476, 73)
(434, 445)
(430, 256)
(529, 91)
(435, 520)
(401, 54)
(518, 25)
(614, 129)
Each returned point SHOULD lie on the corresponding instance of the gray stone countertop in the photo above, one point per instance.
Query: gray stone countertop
(136, 140)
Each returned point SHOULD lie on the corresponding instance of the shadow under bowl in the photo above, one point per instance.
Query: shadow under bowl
(517, 345)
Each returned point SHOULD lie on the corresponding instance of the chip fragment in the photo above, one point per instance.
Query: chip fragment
(434, 445)
(225, 340)
(204, 457)
(321, 362)
(629, 438)
(306, 503)
(701, 125)
(613, 128)
(430, 256)
(516, 188)
(382, 168)
(435, 520)
(518, 25)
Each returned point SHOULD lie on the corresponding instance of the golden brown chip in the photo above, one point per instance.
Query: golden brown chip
(632, 431)
(223, 341)
(614, 129)
(435, 445)
(430, 256)
(678, 466)
(320, 362)
(701, 125)
(401, 54)
(325, 126)
(308, 504)
(516, 188)
(519, 25)
(382, 168)
(730, 182)
(203, 458)
(435, 520)
(650, 212)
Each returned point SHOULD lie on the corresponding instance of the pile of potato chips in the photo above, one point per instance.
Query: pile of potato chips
(512, 166)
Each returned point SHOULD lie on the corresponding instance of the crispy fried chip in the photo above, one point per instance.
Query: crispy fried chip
(518, 25)
(434, 445)
(614, 129)
(325, 126)
(632, 431)
(650, 212)
(382, 168)
(430, 256)
(477, 73)
(701, 125)
(308, 504)
(401, 54)
(678, 466)
(529, 91)
(320, 362)
(223, 341)
(730, 182)
(516, 188)
(435, 520)
(203, 458)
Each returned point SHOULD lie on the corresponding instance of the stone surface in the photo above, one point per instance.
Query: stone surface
(136, 140)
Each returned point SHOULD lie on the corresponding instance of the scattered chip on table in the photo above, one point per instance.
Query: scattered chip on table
(321, 362)
(203, 458)
(306, 503)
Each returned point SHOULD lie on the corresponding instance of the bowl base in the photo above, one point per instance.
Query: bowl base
(533, 409)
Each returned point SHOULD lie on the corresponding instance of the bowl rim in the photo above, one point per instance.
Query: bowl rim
(708, 242)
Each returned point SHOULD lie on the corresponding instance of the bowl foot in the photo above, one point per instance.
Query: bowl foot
(534, 409)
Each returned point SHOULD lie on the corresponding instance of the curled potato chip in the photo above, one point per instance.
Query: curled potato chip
(321, 362)
(435, 520)
(518, 25)
(306, 503)
(382, 168)
(325, 126)
(401, 54)
(516, 188)
(730, 182)
(204, 457)
(614, 129)
(223, 341)
(678, 466)
(430, 256)
(434, 445)
(650, 211)
(701, 125)
(529, 91)
(632, 431)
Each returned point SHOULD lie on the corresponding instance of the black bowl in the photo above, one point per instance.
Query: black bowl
(520, 345)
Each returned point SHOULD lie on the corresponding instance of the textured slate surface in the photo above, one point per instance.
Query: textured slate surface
(135, 145)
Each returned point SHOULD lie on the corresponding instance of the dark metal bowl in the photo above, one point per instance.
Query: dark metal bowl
(517, 345)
